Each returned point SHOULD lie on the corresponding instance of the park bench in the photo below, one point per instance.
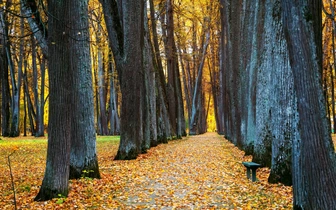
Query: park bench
(251, 166)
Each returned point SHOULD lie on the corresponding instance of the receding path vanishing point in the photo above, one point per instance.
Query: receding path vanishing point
(197, 172)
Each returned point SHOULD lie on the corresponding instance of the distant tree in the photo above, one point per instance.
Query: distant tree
(164, 128)
(5, 90)
(314, 160)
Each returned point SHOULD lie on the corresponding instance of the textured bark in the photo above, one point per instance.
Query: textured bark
(171, 66)
(56, 175)
(164, 131)
(276, 120)
(259, 102)
(150, 84)
(314, 162)
(125, 30)
(83, 158)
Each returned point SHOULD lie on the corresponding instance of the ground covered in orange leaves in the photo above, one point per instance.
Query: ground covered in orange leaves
(198, 172)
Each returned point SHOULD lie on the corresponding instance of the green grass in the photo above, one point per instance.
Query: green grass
(108, 139)
(42, 141)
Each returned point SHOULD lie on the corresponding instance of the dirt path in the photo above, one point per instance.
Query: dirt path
(202, 172)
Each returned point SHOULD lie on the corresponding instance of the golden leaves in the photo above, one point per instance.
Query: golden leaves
(200, 172)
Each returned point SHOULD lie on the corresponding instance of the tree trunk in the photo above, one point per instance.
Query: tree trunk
(196, 99)
(102, 93)
(31, 113)
(40, 108)
(16, 87)
(114, 116)
(83, 158)
(56, 177)
(171, 61)
(125, 30)
(164, 130)
(149, 85)
(280, 97)
(5, 91)
(314, 163)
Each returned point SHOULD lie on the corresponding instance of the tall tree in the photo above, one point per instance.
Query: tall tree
(197, 94)
(125, 28)
(275, 128)
(83, 158)
(56, 177)
(314, 161)
(164, 128)
(5, 90)
(173, 85)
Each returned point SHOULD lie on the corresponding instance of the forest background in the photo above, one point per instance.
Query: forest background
(236, 60)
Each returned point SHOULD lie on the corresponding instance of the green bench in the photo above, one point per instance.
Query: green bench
(251, 166)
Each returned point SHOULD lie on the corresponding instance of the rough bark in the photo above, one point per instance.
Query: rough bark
(83, 158)
(150, 83)
(171, 65)
(164, 130)
(125, 30)
(314, 162)
(56, 177)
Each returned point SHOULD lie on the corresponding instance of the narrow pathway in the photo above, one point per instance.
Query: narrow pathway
(199, 172)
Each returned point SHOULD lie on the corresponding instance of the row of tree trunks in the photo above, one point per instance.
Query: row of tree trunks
(12, 93)
(160, 106)
(274, 67)
(164, 129)
(174, 88)
(257, 85)
(11, 127)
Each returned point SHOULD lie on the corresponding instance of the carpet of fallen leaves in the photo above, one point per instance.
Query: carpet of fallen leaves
(198, 172)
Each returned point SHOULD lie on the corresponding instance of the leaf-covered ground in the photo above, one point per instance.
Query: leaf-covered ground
(199, 172)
